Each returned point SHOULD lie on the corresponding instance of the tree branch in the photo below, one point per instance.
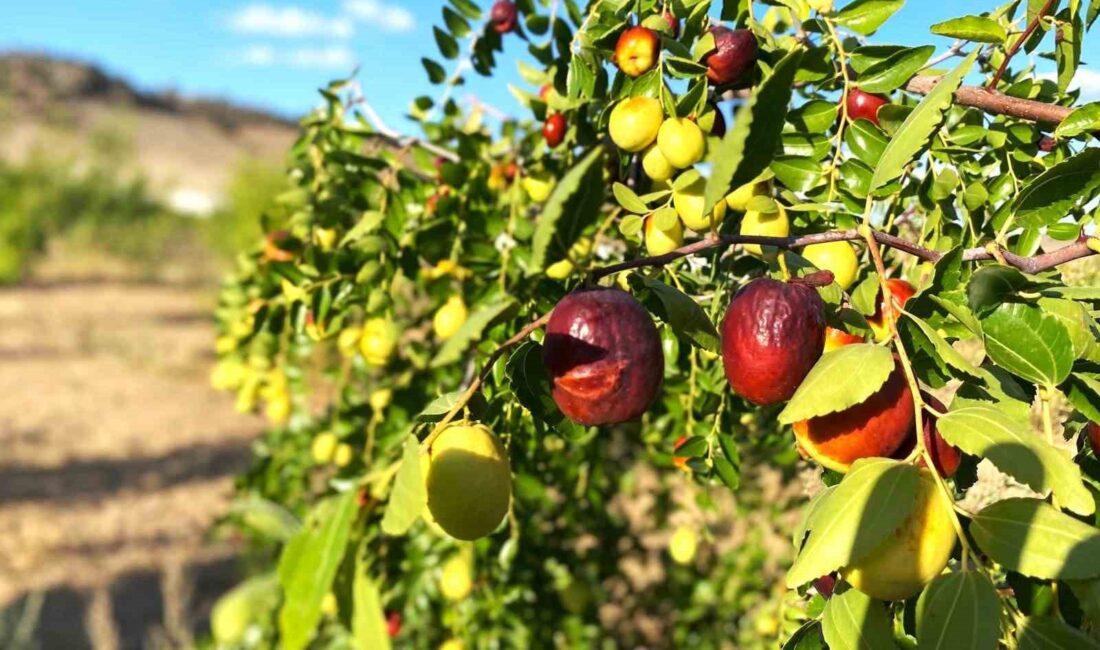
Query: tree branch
(1031, 26)
(995, 102)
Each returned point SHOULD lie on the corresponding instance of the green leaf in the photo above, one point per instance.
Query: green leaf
(866, 140)
(841, 378)
(815, 116)
(448, 46)
(436, 73)
(866, 16)
(959, 610)
(1084, 393)
(797, 173)
(971, 28)
(685, 316)
(1034, 538)
(853, 621)
(1059, 190)
(1083, 119)
(806, 637)
(751, 143)
(308, 565)
(950, 355)
(455, 347)
(530, 382)
(573, 205)
(407, 498)
(992, 285)
(870, 503)
(266, 517)
(368, 622)
(914, 133)
(628, 199)
(893, 72)
(1012, 446)
(1044, 633)
(440, 406)
(1029, 343)
(1074, 316)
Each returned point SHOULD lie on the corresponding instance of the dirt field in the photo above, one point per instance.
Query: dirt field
(117, 456)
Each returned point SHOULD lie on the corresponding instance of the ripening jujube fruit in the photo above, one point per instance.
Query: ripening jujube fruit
(1093, 430)
(503, 16)
(604, 357)
(554, 129)
(900, 293)
(634, 123)
(733, 57)
(469, 481)
(688, 201)
(945, 457)
(739, 199)
(836, 256)
(449, 318)
(656, 166)
(837, 338)
(864, 106)
(878, 426)
(765, 224)
(681, 142)
(772, 335)
(455, 582)
(637, 50)
(658, 241)
(913, 555)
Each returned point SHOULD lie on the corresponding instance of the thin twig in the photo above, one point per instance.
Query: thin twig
(992, 101)
(953, 51)
(1031, 27)
(395, 138)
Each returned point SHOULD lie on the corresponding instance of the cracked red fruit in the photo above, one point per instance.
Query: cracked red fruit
(863, 105)
(877, 427)
(604, 357)
(637, 50)
(503, 16)
(554, 129)
(773, 333)
(733, 57)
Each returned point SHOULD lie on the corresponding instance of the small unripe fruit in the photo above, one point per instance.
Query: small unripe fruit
(393, 624)
(343, 455)
(913, 555)
(772, 335)
(876, 427)
(452, 644)
(503, 16)
(348, 340)
(733, 57)
(634, 123)
(659, 242)
(379, 341)
(455, 583)
(683, 544)
(604, 358)
(564, 268)
(322, 447)
(554, 129)
(538, 186)
(449, 318)
(864, 106)
(656, 166)
(681, 142)
(689, 202)
(739, 199)
(469, 481)
(329, 605)
(380, 399)
(765, 224)
(278, 409)
(636, 51)
(838, 257)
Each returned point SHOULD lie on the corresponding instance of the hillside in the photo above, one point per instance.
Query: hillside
(186, 148)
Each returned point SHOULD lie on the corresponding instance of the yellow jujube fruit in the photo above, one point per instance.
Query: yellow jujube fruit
(634, 123)
(380, 399)
(688, 202)
(538, 186)
(325, 238)
(342, 456)
(913, 555)
(738, 200)
(683, 545)
(322, 447)
(234, 612)
(765, 224)
(278, 409)
(656, 166)
(564, 268)
(348, 340)
(455, 582)
(838, 257)
(681, 142)
(469, 481)
(449, 318)
(659, 242)
(329, 606)
(379, 341)
(452, 644)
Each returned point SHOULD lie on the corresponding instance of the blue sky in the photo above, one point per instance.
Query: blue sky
(274, 54)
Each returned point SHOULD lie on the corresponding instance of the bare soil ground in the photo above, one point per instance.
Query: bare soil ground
(116, 458)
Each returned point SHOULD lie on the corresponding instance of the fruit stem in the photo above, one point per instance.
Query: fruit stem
(1026, 34)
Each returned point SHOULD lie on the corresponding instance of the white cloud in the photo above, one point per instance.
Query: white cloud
(288, 22)
(303, 58)
(1085, 79)
(390, 18)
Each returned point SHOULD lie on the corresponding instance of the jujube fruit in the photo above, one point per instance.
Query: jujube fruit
(656, 166)
(878, 426)
(681, 142)
(673, 23)
(554, 129)
(945, 457)
(688, 201)
(765, 224)
(772, 335)
(913, 555)
(658, 241)
(503, 16)
(733, 57)
(449, 318)
(634, 123)
(636, 51)
(455, 582)
(604, 358)
(739, 199)
(864, 106)
(379, 341)
(393, 624)
(900, 293)
(1094, 437)
(469, 481)
(538, 186)
(836, 256)
(837, 338)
